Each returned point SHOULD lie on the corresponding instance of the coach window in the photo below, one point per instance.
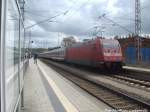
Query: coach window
(12, 55)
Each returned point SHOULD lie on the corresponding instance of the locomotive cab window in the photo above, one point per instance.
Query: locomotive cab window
(111, 45)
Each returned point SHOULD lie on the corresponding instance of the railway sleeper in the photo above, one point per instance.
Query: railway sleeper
(124, 106)
(131, 107)
(103, 93)
(134, 80)
(113, 99)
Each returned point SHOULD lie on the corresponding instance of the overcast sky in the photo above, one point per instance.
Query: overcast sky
(79, 17)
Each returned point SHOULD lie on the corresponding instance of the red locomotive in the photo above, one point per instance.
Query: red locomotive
(96, 53)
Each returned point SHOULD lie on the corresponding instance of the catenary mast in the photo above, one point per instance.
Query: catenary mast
(138, 28)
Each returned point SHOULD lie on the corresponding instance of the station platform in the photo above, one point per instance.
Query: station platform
(137, 68)
(45, 90)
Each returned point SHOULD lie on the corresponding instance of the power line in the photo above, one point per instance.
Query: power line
(115, 23)
(71, 15)
(126, 19)
(35, 14)
(130, 13)
(43, 21)
(70, 8)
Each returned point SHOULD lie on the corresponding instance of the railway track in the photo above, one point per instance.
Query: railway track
(145, 85)
(126, 78)
(112, 98)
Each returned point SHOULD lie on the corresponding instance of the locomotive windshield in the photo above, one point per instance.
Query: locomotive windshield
(113, 44)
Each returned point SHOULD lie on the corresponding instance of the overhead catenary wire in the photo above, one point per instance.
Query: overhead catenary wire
(35, 14)
(86, 32)
(112, 21)
(66, 13)
(130, 13)
(70, 8)
(72, 14)
(43, 21)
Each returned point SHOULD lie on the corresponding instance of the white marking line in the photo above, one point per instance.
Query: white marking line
(137, 68)
(65, 102)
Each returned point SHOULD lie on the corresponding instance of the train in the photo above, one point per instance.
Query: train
(96, 52)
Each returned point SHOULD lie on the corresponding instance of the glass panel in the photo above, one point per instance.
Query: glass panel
(12, 55)
(22, 53)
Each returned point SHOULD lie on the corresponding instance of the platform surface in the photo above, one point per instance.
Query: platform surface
(137, 68)
(47, 91)
(35, 96)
